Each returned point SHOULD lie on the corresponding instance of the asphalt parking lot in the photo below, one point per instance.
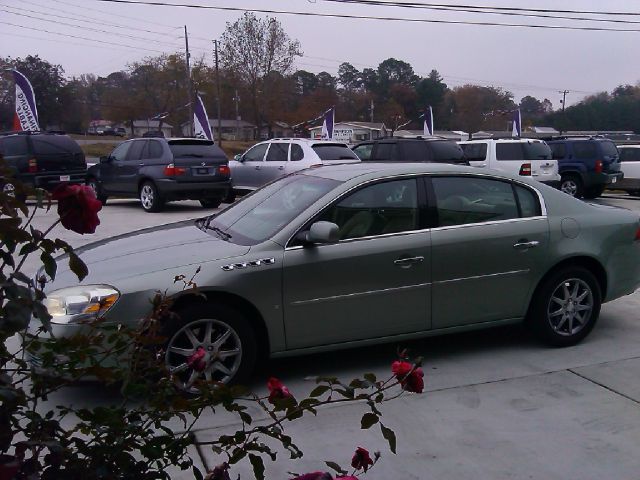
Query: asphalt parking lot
(497, 404)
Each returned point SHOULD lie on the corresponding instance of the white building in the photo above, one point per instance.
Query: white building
(353, 132)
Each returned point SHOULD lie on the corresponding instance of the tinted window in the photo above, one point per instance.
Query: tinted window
(53, 144)
(154, 149)
(364, 151)
(296, 152)
(331, 151)
(475, 151)
(585, 150)
(256, 154)
(195, 148)
(120, 152)
(558, 151)
(509, 151)
(386, 151)
(529, 205)
(135, 152)
(630, 154)
(260, 215)
(11, 146)
(386, 207)
(608, 149)
(536, 151)
(462, 200)
(278, 152)
(413, 151)
(445, 151)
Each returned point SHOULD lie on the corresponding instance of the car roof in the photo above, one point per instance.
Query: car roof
(503, 140)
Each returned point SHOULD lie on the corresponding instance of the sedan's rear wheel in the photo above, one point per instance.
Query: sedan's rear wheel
(572, 185)
(150, 198)
(209, 343)
(566, 306)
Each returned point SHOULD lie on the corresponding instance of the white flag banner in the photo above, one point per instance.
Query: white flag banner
(428, 122)
(327, 124)
(517, 124)
(201, 126)
(26, 114)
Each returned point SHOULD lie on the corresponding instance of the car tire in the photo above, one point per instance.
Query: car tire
(565, 307)
(594, 192)
(150, 198)
(93, 183)
(634, 193)
(572, 185)
(210, 202)
(230, 334)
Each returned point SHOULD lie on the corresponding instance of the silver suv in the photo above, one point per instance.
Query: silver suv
(277, 157)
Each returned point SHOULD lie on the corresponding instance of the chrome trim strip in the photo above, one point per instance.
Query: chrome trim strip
(477, 277)
(359, 294)
(495, 222)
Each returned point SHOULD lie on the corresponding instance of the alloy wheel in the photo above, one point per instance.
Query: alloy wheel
(570, 307)
(147, 196)
(569, 187)
(206, 349)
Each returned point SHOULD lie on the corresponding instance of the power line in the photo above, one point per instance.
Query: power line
(369, 17)
(120, 16)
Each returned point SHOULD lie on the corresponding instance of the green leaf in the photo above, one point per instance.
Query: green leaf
(319, 390)
(334, 466)
(28, 248)
(50, 265)
(389, 436)
(197, 474)
(258, 466)
(77, 266)
(370, 377)
(368, 420)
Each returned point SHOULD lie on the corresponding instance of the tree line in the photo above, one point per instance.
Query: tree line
(258, 81)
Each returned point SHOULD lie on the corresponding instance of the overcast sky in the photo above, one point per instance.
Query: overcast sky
(538, 62)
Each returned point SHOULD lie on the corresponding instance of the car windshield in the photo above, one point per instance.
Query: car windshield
(537, 151)
(446, 151)
(194, 148)
(261, 214)
(334, 151)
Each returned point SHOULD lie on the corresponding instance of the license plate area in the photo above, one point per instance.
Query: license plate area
(65, 178)
(202, 171)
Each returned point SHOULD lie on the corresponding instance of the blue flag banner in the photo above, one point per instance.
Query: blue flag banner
(428, 122)
(26, 114)
(201, 126)
(327, 124)
(517, 124)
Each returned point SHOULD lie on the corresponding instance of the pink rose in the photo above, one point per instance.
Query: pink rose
(78, 207)
(277, 390)
(197, 361)
(314, 476)
(411, 379)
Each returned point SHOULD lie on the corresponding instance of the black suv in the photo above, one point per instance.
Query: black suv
(399, 149)
(41, 160)
(586, 165)
(159, 170)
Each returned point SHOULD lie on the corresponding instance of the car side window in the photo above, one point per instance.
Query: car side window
(463, 200)
(12, 146)
(297, 153)
(364, 151)
(558, 151)
(278, 152)
(585, 150)
(378, 209)
(136, 150)
(386, 151)
(414, 151)
(120, 152)
(256, 154)
(529, 204)
(509, 151)
(153, 150)
(630, 154)
(475, 152)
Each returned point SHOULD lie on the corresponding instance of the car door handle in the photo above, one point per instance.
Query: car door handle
(525, 245)
(408, 261)
(281, 167)
(257, 167)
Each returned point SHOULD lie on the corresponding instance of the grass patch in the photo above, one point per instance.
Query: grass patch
(97, 149)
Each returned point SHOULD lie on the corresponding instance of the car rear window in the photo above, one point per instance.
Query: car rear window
(474, 151)
(446, 151)
(54, 144)
(195, 148)
(12, 146)
(536, 151)
(609, 149)
(334, 151)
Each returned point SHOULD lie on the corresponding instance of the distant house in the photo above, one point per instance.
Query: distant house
(353, 132)
(140, 127)
(278, 130)
(231, 129)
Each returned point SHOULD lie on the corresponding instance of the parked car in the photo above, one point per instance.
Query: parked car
(399, 149)
(586, 164)
(161, 170)
(277, 157)
(41, 160)
(351, 255)
(519, 156)
(630, 167)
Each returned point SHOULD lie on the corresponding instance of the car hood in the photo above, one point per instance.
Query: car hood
(146, 251)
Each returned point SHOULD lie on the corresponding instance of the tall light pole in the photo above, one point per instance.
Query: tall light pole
(189, 85)
(564, 101)
(215, 44)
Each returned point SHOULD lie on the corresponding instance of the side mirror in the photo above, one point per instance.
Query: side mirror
(105, 159)
(237, 157)
(322, 232)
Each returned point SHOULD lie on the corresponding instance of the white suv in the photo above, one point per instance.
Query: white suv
(274, 158)
(519, 156)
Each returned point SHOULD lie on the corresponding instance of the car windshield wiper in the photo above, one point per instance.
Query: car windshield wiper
(206, 225)
(196, 155)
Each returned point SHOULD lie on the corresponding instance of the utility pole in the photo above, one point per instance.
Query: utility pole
(236, 99)
(371, 110)
(215, 44)
(189, 85)
(564, 101)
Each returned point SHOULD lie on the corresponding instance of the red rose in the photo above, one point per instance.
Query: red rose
(361, 459)
(78, 207)
(277, 391)
(410, 380)
(400, 368)
(197, 361)
(314, 476)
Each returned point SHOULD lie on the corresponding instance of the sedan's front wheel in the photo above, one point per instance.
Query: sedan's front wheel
(566, 306)
(209, 343)
(150, 198)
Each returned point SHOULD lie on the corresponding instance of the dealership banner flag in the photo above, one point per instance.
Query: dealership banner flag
(517, 124)
(327, 124)
(26, 115)
(428, 122)
(201, 126)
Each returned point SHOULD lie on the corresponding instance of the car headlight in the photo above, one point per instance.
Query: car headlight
(72, 303)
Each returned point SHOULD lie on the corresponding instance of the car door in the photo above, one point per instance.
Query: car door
(488, 249)
(373, 282)
(110, 169)
(275, 161)
(246, 173)
(129, 170)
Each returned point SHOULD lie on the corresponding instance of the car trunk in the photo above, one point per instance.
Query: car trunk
(57, 153)
(201, 160)
(610, 157)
